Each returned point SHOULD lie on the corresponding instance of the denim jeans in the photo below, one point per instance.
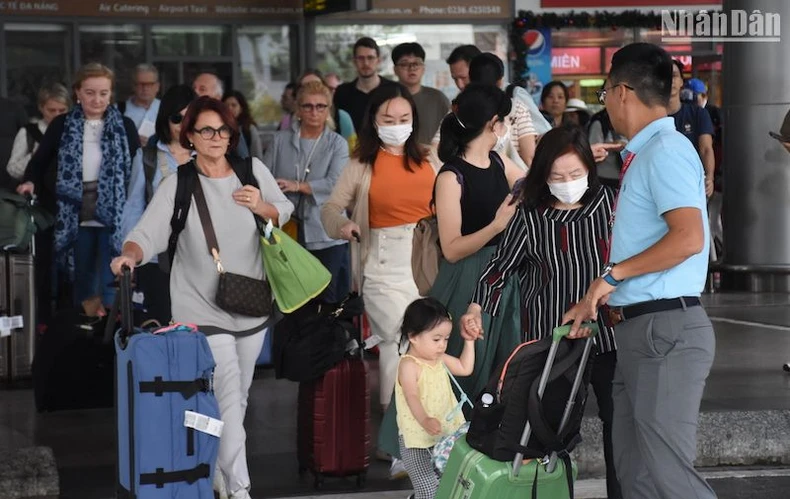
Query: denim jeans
(92, 255)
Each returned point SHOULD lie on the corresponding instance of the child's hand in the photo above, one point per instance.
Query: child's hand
(432, 426)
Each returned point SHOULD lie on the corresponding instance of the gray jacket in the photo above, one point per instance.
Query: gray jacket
(283, 157)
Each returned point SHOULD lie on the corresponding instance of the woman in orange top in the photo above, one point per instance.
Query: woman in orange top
(386, 187)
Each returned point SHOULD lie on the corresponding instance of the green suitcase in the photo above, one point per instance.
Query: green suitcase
(470, 474)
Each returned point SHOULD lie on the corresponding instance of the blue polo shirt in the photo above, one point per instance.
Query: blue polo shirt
(665, 174)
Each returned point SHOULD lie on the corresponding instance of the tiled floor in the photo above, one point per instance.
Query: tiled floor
(747, 374)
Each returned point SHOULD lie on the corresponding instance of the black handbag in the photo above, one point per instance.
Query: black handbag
(236, 293)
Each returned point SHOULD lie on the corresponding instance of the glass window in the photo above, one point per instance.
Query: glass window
(192, 41)
(119, 47)
(264, 53)
(334, 45)
(37, 54)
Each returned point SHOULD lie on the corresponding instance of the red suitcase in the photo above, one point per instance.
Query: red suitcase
(333, 432)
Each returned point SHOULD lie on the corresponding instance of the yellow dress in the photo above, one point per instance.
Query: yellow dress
(438, 400)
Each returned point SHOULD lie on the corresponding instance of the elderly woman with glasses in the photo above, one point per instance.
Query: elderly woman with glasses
(235, 340)
(307, 160)
(151, 165)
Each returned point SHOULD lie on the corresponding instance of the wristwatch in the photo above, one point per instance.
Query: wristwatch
(607, 276)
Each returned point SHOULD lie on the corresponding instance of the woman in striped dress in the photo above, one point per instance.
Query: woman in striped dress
(557, 243)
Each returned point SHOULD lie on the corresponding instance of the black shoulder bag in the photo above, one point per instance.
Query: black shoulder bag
(236, 293)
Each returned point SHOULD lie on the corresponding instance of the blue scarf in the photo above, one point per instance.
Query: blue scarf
(114, 173)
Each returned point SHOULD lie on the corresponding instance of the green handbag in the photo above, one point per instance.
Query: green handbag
(294, 274)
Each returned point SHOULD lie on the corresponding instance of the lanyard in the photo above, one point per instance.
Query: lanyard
(309, 158)
(629, 158)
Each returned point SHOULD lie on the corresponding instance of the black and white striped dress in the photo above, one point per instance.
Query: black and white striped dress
(557, 254)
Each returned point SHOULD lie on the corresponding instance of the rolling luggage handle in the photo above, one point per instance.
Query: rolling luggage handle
(125, 305)
(557, 335)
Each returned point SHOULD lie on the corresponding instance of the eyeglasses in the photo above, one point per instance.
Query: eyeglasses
(176, 118)
(601, 93)
(208, 133)
(146, 84)
(308, 108)
(410, 65)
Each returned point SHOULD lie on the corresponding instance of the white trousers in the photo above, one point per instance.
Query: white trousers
(388, 289)
(235, 358)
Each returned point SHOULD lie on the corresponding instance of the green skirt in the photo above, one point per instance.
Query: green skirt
(454, 287)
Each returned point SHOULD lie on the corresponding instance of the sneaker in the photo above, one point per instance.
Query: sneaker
(397, 470)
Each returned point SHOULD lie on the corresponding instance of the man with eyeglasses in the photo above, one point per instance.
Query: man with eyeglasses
(143, 106)
(433, 105)
(353, 97)
(658, 254)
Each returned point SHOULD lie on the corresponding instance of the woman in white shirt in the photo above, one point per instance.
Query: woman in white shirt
(53, 100)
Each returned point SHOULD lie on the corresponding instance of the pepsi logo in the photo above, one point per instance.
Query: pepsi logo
(535, 41)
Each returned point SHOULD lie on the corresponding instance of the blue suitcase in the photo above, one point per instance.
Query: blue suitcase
(161, 376)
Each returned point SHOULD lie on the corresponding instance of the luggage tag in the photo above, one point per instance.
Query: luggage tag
(178, 326)
(203, 423)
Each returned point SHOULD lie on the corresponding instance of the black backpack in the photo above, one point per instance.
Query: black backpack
(187, 180)
(496, 430)
(150, 162)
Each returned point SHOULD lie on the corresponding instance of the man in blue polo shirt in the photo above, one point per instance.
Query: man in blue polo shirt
(659, 261)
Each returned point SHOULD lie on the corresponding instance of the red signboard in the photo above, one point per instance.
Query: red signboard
(620, 3)
(575, 61)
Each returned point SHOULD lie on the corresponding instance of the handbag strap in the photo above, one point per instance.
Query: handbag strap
(208, 227)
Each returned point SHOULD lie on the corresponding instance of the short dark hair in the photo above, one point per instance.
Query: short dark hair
(202, 105)
(645, 67)
(366, 42)
(486, 68)
(472, 110)
(679, 66)
(463, 53)
(245, 118)
(548, 88)
(404, 49)
(555, 143)
(175, 99)
(423, 315)
(368, 142)
(291, 85)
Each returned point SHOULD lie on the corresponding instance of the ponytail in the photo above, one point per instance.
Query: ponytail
(450, 143)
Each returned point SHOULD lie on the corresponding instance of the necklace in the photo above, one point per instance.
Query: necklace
(390, 152)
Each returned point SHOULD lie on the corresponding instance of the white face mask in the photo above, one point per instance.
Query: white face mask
(394, 135)
(569, 192)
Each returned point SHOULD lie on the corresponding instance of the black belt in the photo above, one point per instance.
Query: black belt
(620, 314)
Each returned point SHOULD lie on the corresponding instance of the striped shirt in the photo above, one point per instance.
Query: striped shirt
(557, 254)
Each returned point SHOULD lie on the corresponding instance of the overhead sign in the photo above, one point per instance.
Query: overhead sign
(156, 9)
(439, 10)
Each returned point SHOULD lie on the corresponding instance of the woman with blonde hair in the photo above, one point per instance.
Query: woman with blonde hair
(53, 100)
(307, 160)
(81, 172)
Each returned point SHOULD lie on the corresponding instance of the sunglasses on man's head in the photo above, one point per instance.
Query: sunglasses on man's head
(176, 118)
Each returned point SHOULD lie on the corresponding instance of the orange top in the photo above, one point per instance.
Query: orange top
(398, 196)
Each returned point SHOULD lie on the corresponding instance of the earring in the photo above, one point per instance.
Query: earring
(191, 145)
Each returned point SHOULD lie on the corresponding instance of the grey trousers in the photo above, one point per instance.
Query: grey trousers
(663, 360)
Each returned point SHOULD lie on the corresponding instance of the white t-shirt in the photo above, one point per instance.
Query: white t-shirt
(91, 150)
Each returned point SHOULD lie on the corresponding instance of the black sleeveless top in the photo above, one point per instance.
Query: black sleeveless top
(482, 191)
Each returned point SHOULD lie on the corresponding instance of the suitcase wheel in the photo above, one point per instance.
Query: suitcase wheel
(318, 483)
(361, 479)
